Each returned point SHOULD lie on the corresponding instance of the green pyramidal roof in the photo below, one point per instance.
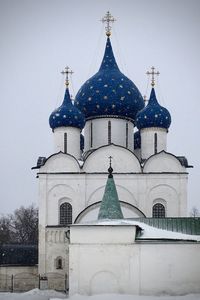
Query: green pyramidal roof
(110, 205)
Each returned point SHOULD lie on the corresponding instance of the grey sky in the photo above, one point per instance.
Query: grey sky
(39, 38)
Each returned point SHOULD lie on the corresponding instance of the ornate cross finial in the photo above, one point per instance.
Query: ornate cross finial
(153, 73)
(66, 72)
(108, 18)
(110, 169)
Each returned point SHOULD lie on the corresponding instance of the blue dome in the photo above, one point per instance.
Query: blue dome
(109, 92)
(153, 115)
(137, 140)
(66, 115)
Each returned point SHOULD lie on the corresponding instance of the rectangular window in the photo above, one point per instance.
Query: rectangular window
(109, 132)
(126, 135)
(91, 135)
(155, 143)
(65, 142)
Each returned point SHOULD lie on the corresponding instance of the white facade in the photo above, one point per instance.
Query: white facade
(115, 263)
(153, 140)
(67, 140)
(162, 179)
(104, 131)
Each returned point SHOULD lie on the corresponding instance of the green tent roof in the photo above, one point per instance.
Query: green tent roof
(110, 206)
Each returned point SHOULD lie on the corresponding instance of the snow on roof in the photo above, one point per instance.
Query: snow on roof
(147, 232)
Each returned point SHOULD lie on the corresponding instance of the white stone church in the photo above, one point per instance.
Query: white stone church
(148, 245)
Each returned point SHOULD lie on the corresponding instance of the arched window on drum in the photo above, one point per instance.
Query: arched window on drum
(158, 211)
(65, 214)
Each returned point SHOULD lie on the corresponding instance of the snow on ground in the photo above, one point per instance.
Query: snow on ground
(148, 232)
(37, 294)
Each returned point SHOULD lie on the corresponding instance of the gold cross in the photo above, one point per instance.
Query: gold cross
(108, 18)
(153, 73)
(66, 72)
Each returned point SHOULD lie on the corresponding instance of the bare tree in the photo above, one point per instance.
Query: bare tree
(25, 222)
(20, 227)
(194, 212)
(5, 232)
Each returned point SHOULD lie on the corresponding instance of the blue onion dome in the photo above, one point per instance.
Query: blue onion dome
(67, 115)
(109, 92)
(137, 140)
(153, 115)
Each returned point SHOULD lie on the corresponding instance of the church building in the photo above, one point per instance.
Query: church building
(124, 230)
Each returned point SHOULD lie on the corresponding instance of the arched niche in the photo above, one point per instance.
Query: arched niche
(123, 160)
(91, 212)
(60, 163)
(163, 162)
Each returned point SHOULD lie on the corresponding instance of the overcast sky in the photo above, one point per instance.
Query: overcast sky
(38, 38)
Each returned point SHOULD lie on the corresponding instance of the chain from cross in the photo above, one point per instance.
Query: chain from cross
(145, 99)
(110, 169)
(108, 18)
(66, 72)
(110, 159)
(153, 73)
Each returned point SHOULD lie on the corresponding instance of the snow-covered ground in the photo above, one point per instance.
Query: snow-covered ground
(37, 294)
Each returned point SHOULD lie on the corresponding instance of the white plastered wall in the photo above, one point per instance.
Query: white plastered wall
(100, 133)
(62, 179)
(110, 261)
(72, 140)
(148, 141)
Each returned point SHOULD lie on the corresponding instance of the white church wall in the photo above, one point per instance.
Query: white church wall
(107, 260)
(61, 162)
(123, 160)
(57, 248)
(110, 261)
(148, 141)
(99, 133)
(169, 268)
(71, 143)
(163, 162)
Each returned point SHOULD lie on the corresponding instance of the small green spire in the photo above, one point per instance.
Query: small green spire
(110, 206)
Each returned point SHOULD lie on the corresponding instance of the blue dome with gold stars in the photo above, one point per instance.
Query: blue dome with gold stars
(67, 115)
(153, 115)
(109, 92)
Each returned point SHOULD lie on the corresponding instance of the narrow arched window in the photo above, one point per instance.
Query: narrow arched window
(59, 263)
(65, 214)
(158, 211)
(91, 134)
(126, 135)
(155, 143)
(109, 132)
(65, 142)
